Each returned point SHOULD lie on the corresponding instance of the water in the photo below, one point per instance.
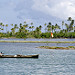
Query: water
(50, 62)
(30, 39)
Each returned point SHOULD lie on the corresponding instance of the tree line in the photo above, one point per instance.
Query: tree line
(24, 30)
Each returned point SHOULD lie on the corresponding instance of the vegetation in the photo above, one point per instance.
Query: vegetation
(47, 47)
(18, 41)
(24, 30)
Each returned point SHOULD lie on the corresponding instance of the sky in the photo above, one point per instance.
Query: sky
(37, 11)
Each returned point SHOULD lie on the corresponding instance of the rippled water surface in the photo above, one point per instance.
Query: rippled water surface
(30, 39)
(50, 62)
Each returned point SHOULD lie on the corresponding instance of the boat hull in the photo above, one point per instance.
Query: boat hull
(19, 56)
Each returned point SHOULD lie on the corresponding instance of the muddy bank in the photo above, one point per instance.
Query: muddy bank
(47, 47)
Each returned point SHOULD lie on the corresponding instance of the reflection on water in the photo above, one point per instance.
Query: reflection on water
(50, 62)
(30, 39)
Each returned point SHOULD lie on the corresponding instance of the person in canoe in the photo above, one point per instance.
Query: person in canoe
(1, 54)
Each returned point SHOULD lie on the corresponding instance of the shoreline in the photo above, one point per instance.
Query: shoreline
(18, 41)
(53, 47)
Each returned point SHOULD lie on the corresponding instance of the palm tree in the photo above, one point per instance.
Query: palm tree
(31, 23)
(20, 25)
(11, 24)
(69, 19)
(15, 26)
(49, 26)
(25, 26)
(62, 24)
(0, 30)
(52, 28)
(25, 22)
(40, 27)
(1, 24)
(45, 28)
(13, 31)
(56, 27)
(37, 30)
(32, 26)
(71, 23)
(67, 27)
(6, 27)
(74, 28)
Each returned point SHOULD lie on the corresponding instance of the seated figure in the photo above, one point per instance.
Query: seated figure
(1, 54)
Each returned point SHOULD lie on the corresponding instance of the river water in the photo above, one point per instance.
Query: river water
(50, 62)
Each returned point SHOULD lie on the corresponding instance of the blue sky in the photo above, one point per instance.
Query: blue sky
(36, 11)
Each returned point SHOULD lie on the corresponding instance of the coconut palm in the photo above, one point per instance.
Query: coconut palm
(32, 26)
(49, 26)
(6, 27)
(74, 28)
(71, 23)
(40, 27)
(67, 27)
(11, 24)
(55, 27)
(62, 24)
(45, 27)
(15, 27)
(24, 22)
(52, 28)
(12, 29)
(37, 30)
(1, 24)
(69, 19)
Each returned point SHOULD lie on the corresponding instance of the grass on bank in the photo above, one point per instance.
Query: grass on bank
(53, 47)
(18, 41)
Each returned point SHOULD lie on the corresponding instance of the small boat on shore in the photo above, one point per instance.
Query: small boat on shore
(19, 56)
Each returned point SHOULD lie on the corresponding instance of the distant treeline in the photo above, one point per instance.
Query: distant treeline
(29, 31)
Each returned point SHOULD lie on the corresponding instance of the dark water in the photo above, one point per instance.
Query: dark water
(50, 62)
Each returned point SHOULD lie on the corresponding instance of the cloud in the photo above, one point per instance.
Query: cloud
(38, 11)
(58, 8)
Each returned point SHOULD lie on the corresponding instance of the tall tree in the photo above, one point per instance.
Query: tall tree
(49, 26)
(56, 27)
(71, 23)
(62, 24)
(32, 26)
(45, 27)
(1, 24)
(67, 27)
(21, 27)
(40, 27)
(6, 27)
(15, 27)
(69, 19)
(74, 28)
(38, 30)
(13, 31)
(52, 28)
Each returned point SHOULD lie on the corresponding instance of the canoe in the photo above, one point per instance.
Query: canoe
(19, 56)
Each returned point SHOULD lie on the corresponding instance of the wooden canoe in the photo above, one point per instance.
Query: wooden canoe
(19, 56)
